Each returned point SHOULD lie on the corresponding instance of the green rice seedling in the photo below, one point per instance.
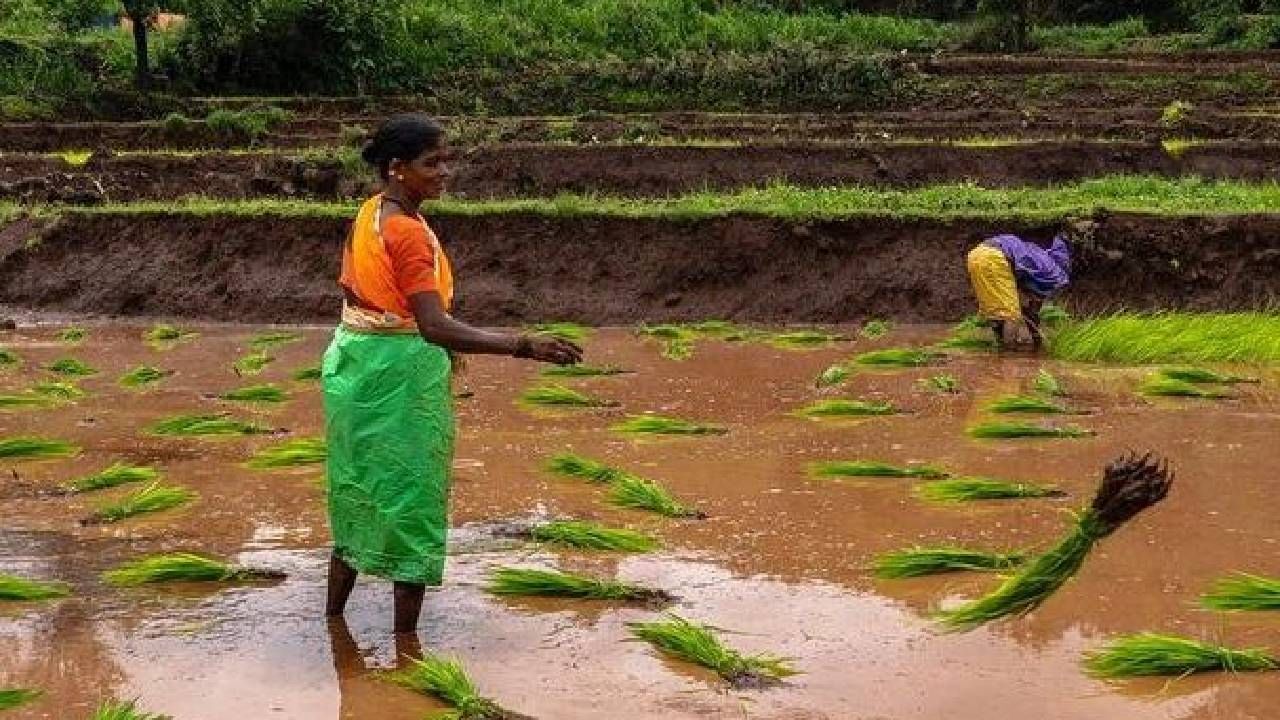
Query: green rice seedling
(802, 339)
(968, 342)
(637, 493)
(1052, 316)
(664, 332)
(696, 643)
(311, 372)
(26, 400)
(265, 341)
(1243, 591)
(956, 490)
(152, 498)
(252, 364)
(552, 583)
(715, 328)
(16, 697)
(582, 371)
(838, 408)
(591, 536)
(940, 384)
(1168, 387)
(163, 335)
(571, 465)
(446, 680)
(660, 425)
(554, 395)
(73, 335)
(1149, 654)
(1006, 404)
(1129, 485)
(1202, 376)
(182, 567)
(116, 475)
(71, 367)
(1046, 384)
(291, 453)
(920, 561)
(1010, 430)
(57, 390)
(1247, 337)
(257, 394)
(143, 375)
(680, 348)
(573, 332)
(206, 425)
(873, 468)
(833, 375)
(115, 710)
(895, 357)
(21, 589)
(8, 358)
(875, 328)
(27, 447)
(970, 323)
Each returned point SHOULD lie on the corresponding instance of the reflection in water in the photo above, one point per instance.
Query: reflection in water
(361, 693)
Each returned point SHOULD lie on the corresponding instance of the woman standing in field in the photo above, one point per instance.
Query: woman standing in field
(388, 405)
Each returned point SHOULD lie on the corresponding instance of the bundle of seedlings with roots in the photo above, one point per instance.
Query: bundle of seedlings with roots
(841, 408)
(256, 394)
(27, 447)
(920, 561)
(21, 589)
(1147, 654)
(1130, 484)
(552, 583)
(591, 536)
(264, 341)
(1013, 430)
(26, 400)
(291, 453)
(1207, 377)
(116, 475)
(57, 390)
(311, 372)
(1006, 404)
(15, 697)
(114, 710)
(73, 335)
(802, 339)
(153, 498)
(695, 643)
(637, 493)
(571, 465)
(163, 335)
(143, 375)
(944, 383)
(1169, 387)
(447, 681)
(552, 395)
(183, 567)
(573, 332)
(873, 468)
(206, 425)
(966, 489)
(873, 329)
(1046, 384)
(833, 375)
(252, 364)
(896, 357)
(660, 425)
(71, 367)
(1243, 591)
(582, 371)
(8, 358)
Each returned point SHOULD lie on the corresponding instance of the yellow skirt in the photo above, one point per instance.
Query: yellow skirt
(993, 284)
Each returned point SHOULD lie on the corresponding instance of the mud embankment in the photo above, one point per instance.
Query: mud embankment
(514, 268)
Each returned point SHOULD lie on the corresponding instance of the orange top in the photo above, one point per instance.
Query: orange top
(383, 266)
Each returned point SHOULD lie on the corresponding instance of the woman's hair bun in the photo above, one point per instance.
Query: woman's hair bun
(370, 153)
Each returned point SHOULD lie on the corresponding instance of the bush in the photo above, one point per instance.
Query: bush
(249, 124)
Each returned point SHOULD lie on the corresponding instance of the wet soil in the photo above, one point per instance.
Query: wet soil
(780, 563)
(518, 267)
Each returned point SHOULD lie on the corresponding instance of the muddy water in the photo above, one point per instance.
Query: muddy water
(780, 561)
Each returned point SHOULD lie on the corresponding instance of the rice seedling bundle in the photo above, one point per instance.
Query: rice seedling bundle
(307, 373)
(939, 384)
(873, 468)
(206, 425)
(446, 680)
(1052, 316)
(57, 390)
(920, 561)
(1200, 375)
(895, 357)
(954, 490)
(73, 335)
(116, 475)
(1169, 387)
(968, 342)
(1147, 654)
(21, 589)
(1245, 337)
(1011, 430)
(680, 348)
(25, 400)
(875, 328)
(257, 393)
(571, 465)
(1130, 484)
(838, 407)
(264, 341)
(35, 448)
(552, 583)
(181, 567)
(664, 332)
(716, 328)
(555, 395)
(969, 323)
(153, 498)
(637, 493)
(71, 367)
(291, 453)
(696, 643)
(252, 364)
(114, 710)
(661, 425)
(833, 375)
(573, 332)
(15, 697)
(582, 371)
(143, 375)
(1243, 591)
(590, 536)
(802, 339)
(1046, 384)
(1023, 404)
(163, 334)
(8, 358)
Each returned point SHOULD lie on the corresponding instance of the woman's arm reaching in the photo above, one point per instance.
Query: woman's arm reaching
(438, 328)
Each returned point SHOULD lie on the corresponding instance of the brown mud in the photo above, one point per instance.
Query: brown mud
(780, 564)
(521, 267)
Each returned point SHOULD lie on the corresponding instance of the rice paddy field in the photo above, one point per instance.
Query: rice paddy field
(805, 582)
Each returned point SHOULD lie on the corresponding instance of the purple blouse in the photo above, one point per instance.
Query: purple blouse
(1038, 271)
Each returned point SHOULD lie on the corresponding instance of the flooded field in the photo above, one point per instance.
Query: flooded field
(780, 563)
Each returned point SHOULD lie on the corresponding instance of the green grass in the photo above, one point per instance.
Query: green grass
(15, 697)
(114, 476)
(573, 332)
(802, 339)
(152, 498)
(895, 357)
(252, 364)
(841, 408)
(1046, 384)
(1011, 430)
(20, 589)
(71, 367)
(205, 425)
(1006, 404)
(956, 490)
(28, 447)
(920, 561)
(1243, 591)
(1246, 337)
(143, 375)
(591, 536)
(582, 371)
(1169, 387)
(699, 644)
(291, 453)
(833, 375)
(115, 710)
(265, 341)
(554, 395)
(571, 465)
(552, 583)
(57, 390)
(311, 372)
(939, 384)
(661, 425)
(1152, 654)
(73, 335)
(447, 681)
(179, 567)
(1053, 316)
(873, 468)
(873, 329)
(163, 334)
(257, 394)
(1203, 376)
(637, 493)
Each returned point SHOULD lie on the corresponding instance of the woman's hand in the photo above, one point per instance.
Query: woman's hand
(548, 349)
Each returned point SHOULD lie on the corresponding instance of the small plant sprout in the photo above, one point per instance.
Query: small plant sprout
(153, 498)
(1046, 384)
(257, 394)
(163, 335)
(970, 323)
(570, 465)
(72, 335)
(20, 589)
(1175, 113)
(291, 453)
(677, 340)
(143, 376)
(1052, 316)
(895, 357)
(946, 384)
(873, 468)
(205, 426)
(268, 340)
(841, 408)
(1206, 377)
(1006, 404)
(115, 710)
(699, 644)
(875, 328)
(661, 425)
(16, 697)
(311, 372)
(802, 339)
(1129, 485)
(1168, 387)
(590, 536)
(1153, 654)
(1013, 430)
(446, 680)
(116, 475)
(252, 364)
(637, 493)
(920, 561)
(680, 348)
(833, 375)
(572, 371)
(57, 390)
(554, 395)
(182, 567)
(26, 447)
(957, 490)
(573, 332)
(71, 367)
(552, 583)
(1243, 591)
